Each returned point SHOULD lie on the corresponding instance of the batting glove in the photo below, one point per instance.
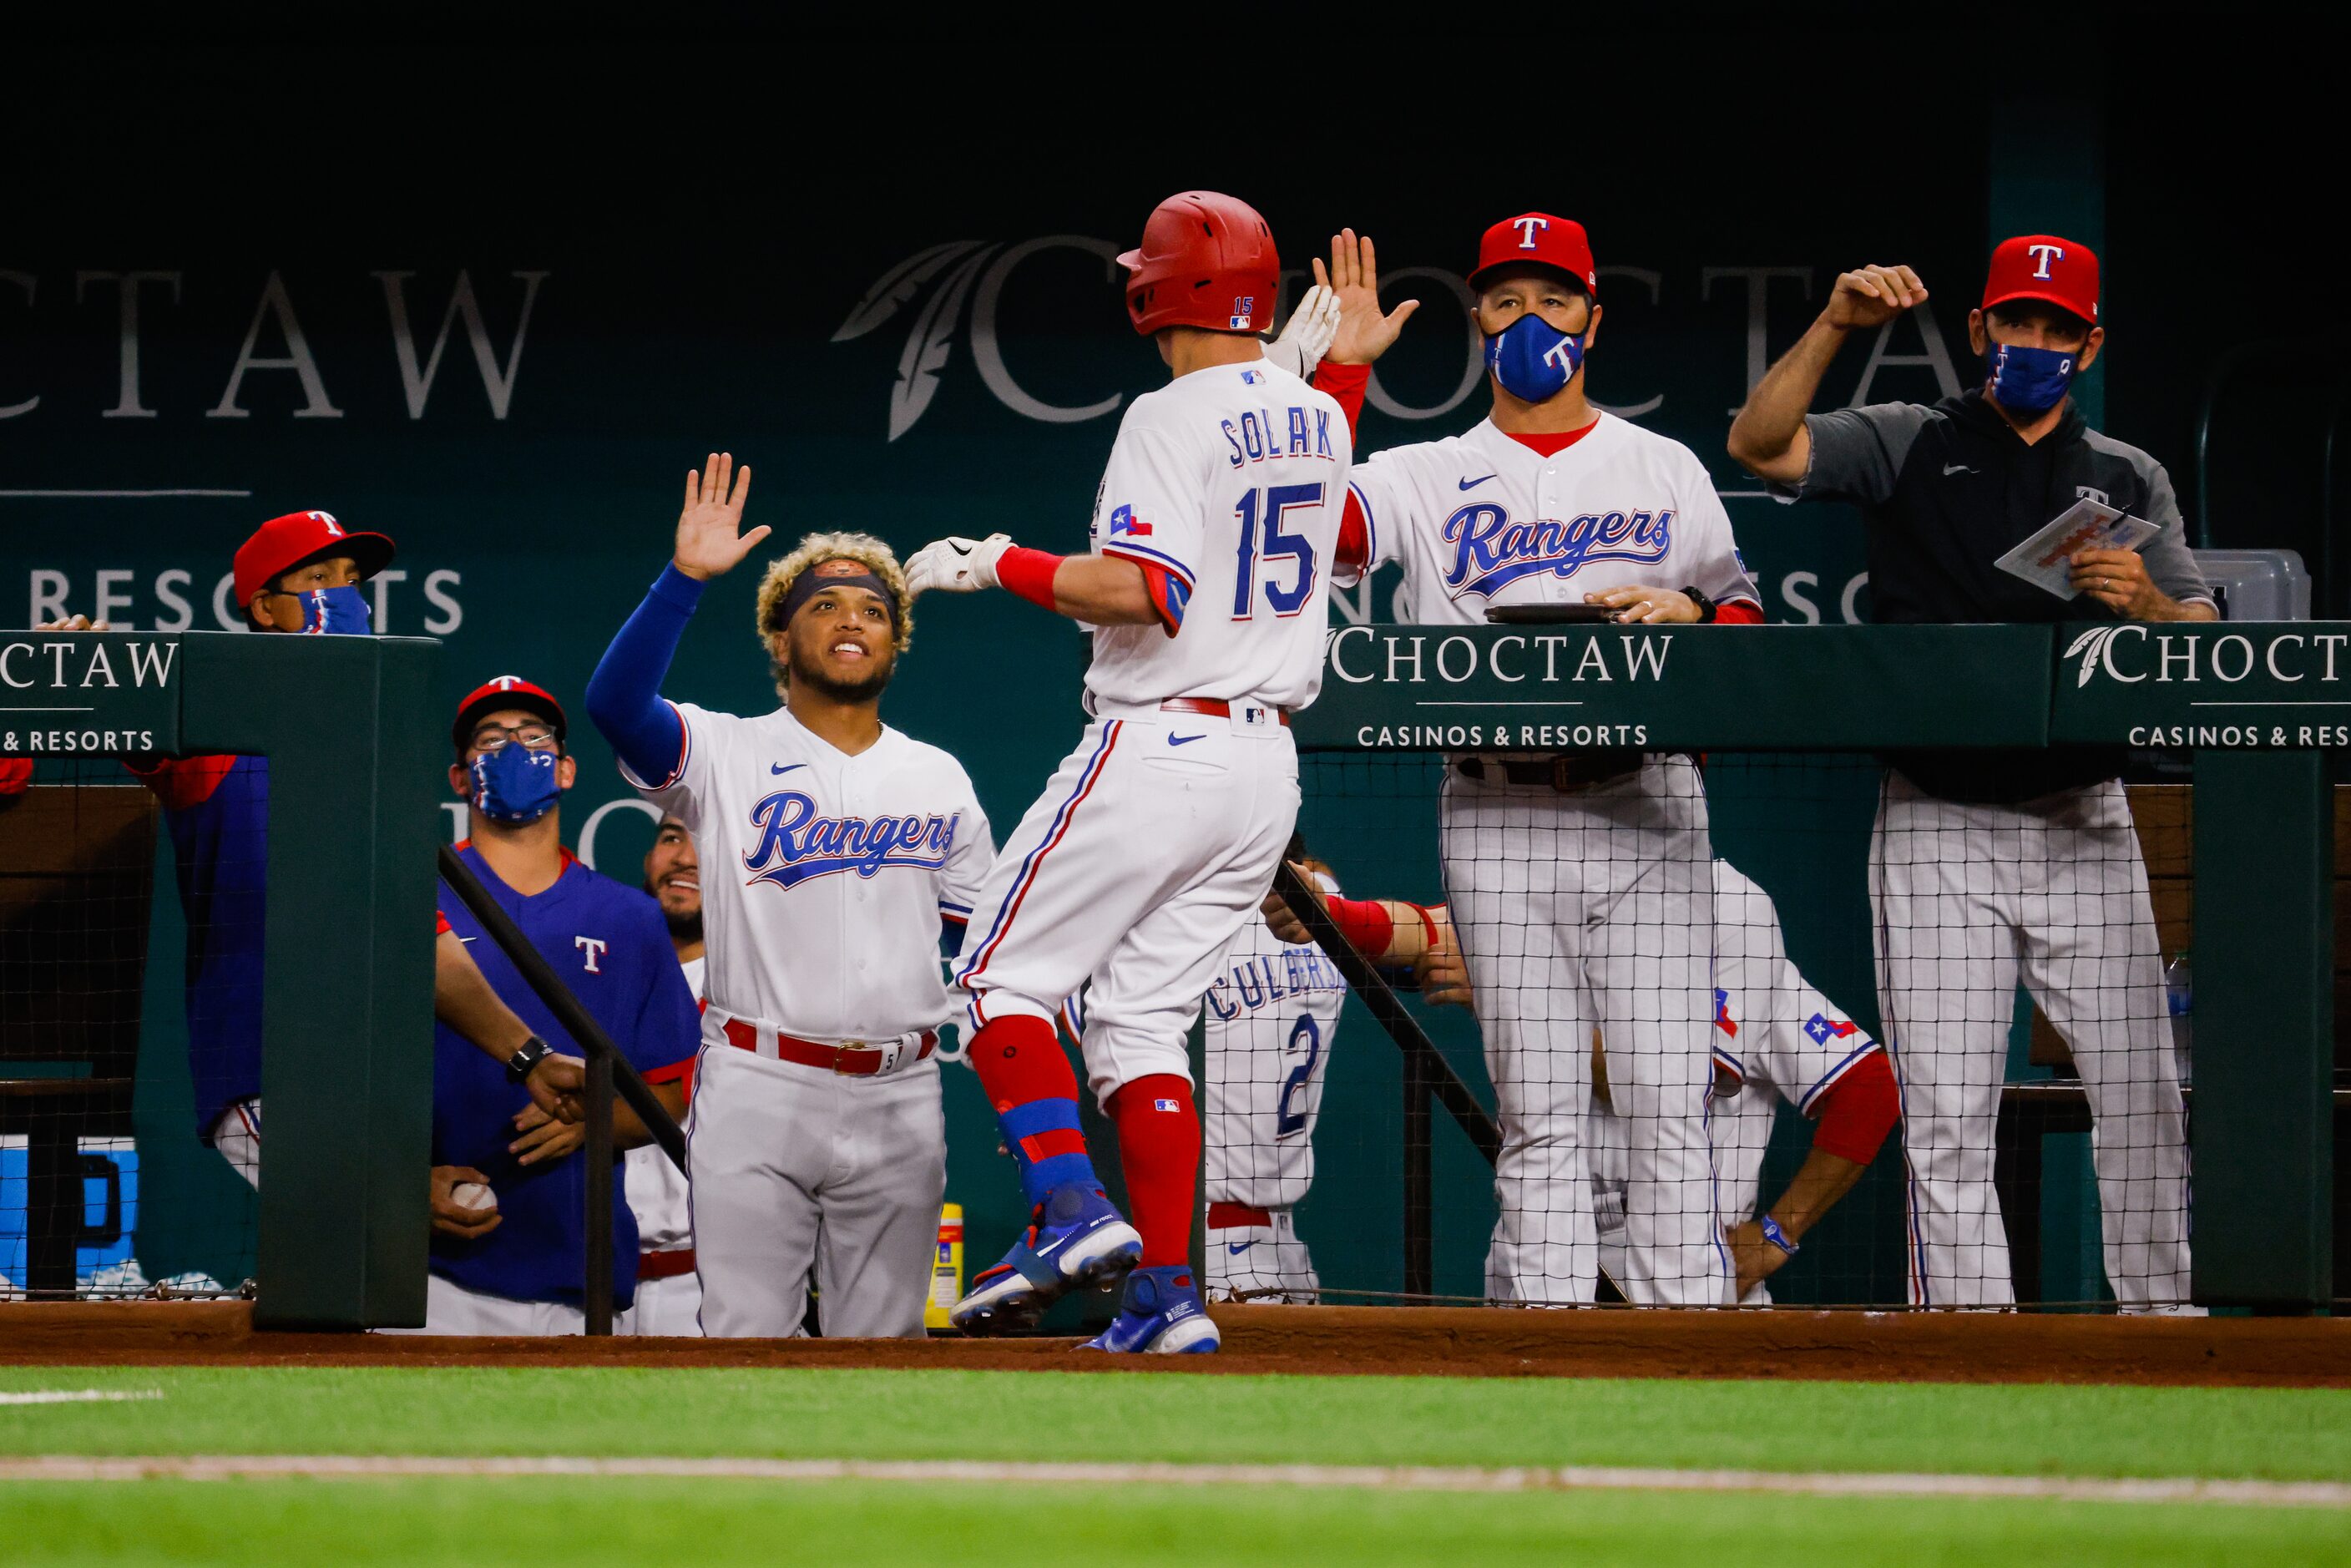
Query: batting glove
(955, 565)
(1308, 333)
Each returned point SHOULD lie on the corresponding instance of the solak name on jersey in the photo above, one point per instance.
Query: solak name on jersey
(1259, 436)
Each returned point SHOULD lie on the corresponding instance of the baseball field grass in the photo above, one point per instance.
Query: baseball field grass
(665, 1436)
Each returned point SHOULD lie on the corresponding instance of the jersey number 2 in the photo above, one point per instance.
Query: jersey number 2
(1290, 1118)
(1260, 512)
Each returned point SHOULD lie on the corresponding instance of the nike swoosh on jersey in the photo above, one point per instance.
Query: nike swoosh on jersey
(1239, 1248)
(1473, 484)
(1187, 739)
(780, 768)
(1951, 468)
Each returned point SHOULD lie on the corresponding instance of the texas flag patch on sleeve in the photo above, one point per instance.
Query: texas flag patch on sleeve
(1124, 521)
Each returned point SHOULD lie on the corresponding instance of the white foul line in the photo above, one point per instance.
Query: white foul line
(1409, 1478)
(109, 495)
(79, 1395)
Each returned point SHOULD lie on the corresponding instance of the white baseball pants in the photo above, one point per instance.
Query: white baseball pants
(1577, 910)
(1265, 1265)
(451, 1309)
(1968, 898)
(669, 1308)
(798, 1168)
(1152, 845)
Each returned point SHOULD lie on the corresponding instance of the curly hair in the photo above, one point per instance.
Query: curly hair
(869, 552)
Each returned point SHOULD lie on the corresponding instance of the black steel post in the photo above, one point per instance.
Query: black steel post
(599, 1281)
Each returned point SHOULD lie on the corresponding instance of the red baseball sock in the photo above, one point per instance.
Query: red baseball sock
(1159, 1149)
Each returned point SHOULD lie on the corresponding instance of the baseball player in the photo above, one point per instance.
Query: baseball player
(511, 1260)
(1579, 882)
(1269, 1019)
(1205, 585)
(1988, 864)
(851, 849)
(1775, 1037)
(669, 1292)
(300, 574)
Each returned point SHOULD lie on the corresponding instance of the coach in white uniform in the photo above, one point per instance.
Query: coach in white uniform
(816, 1137)
(1580, 884)
(1984, 863)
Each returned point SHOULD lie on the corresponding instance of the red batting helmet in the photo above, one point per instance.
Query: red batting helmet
(1206, 260)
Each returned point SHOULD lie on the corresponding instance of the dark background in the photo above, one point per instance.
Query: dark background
(709, 201)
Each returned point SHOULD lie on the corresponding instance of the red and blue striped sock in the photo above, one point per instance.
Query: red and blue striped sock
(1027, 1078)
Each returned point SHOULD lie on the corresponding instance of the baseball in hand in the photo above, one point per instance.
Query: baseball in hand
(472, 1195)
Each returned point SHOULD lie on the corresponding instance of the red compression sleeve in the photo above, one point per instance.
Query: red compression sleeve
(1029, 573)
(1355, 549)
(1366, 925)
(1858, 1110)
(1739, 613)
(1346, 384)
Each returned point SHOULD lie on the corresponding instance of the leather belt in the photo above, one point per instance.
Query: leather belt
(665, 1265)
(1216, 708)
(855, 1059)
(1238, 1216)
(1564, 773)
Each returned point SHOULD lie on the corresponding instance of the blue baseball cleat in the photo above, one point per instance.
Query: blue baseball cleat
(1161, 1315)
(1075, 1238)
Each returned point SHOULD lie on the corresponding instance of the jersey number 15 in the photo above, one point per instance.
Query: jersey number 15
(1263, 543)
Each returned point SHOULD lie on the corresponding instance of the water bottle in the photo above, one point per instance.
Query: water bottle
(2179, 991)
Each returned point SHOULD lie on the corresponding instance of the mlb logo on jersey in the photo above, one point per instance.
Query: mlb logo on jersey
(1491, 551)
(1244, 307)
(1165, 1105)
(1124, 521)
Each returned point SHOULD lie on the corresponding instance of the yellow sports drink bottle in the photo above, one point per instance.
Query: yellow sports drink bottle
(946, 1268)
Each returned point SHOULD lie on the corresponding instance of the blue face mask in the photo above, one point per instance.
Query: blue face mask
(1534, 360)
(514, 785)
(335, 613)
(2028, 381)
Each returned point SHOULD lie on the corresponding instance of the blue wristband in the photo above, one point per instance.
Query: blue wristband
(1777, 1236)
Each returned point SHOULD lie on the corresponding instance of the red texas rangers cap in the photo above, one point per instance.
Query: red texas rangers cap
(281, 544)
(1539, 237)
(504, 692)
(2044, 267)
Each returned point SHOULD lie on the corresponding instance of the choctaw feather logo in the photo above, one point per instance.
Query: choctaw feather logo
(933, 338)
(2089, 645)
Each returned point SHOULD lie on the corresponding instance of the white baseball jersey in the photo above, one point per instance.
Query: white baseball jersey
(1232, 481)
(825, 877)
(1772, 1026)
(1481, 518)
(1269, 1019)
(656, 1187)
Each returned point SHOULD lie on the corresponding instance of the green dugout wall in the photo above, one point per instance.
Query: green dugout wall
(353, 748)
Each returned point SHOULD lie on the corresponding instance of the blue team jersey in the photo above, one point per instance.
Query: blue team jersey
(217, 809)
(610, 945)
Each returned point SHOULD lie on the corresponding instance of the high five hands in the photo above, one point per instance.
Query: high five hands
(710, 540)
(1353, 277)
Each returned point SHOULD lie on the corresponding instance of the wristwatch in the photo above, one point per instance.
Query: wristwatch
(1706, 609)
(533, 1052)
(1777, 1236)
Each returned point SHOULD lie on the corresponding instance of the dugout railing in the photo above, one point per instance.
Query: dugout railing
(353, 740)
(2256, 706)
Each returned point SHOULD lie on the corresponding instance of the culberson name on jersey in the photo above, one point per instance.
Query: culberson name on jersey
(1266, 978)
